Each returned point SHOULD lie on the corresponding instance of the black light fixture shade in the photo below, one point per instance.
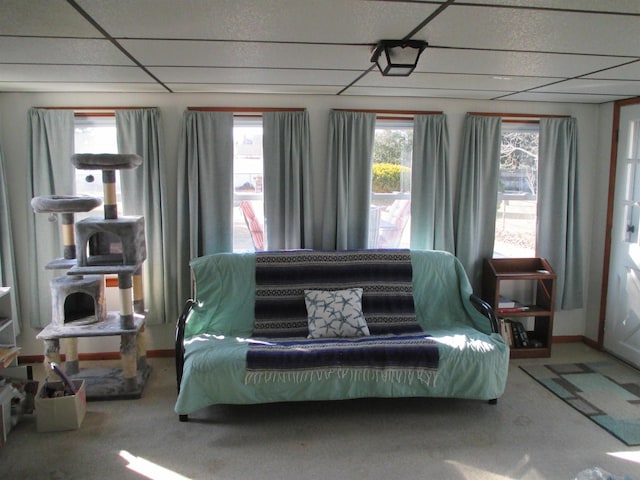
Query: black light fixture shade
(398, 58)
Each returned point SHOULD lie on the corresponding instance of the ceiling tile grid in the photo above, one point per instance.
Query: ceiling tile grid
(584, 51)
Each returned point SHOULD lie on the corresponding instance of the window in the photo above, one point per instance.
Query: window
(516, 216)
(248, 201)
(389, 216)
(632, 188)
(95, 134)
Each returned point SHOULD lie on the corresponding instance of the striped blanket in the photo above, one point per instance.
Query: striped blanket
(384, 275)
(387, 358)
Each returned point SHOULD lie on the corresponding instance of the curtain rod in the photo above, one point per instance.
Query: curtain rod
(513, 120)
(244, 109)
(390, 112)
(85, 109)
(94, 113)
(517, 115)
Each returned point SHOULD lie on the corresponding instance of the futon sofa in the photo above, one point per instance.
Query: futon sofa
(309, 325)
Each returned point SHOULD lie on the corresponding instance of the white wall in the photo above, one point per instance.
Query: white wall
(594, 125)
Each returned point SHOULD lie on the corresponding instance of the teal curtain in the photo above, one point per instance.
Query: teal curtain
(7, 259)
(431, 210)
(50, 172)
(144, 192)
(205, 190)
(348, 182)
(287, 180)
(477, 194)
(558, 236)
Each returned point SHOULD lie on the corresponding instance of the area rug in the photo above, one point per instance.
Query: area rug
(606, 392)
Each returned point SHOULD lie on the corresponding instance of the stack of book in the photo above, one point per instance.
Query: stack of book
(506, 305)
(513, 331)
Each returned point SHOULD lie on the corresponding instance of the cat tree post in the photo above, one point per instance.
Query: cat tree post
(138, 307)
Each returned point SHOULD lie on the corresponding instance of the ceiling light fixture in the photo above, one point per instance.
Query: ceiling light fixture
(397, 58)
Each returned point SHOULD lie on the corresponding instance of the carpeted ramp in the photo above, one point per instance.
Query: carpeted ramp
(606, 392)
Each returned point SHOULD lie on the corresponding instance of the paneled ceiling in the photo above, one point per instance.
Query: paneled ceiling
(585, 51)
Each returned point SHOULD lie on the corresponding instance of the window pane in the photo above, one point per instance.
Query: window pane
(248, 204)
(389, 215)
(95, 135)
(516, 216)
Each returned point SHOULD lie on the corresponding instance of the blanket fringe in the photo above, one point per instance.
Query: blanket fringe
(405, 376)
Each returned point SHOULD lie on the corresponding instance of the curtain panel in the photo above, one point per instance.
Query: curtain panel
(205, 190)
(50, 172)
(431, 210)
(558, 236)
(478, 194)
(144, 192)
(7, 259)
(287, 180)
(348, 183)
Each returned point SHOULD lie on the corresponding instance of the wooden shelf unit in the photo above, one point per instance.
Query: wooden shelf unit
(8, 349)
(8, 358)
(538, 272)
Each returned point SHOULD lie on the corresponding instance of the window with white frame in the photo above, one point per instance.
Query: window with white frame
(516, 215)
(249, 229)
(95, 134)
(390, 215)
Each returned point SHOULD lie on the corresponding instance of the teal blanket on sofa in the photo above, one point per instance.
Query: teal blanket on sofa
(473, 361)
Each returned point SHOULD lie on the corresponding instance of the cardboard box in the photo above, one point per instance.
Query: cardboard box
(60, 413)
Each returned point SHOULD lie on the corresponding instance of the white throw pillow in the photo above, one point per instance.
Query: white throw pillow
(335, 313)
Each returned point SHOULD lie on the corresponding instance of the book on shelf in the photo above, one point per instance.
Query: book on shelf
(514, 333)
(506, 305)
(520, 334)
(521, 308)
(505, 331)
(504, 302)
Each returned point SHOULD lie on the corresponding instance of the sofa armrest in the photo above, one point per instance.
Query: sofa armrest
(485, 309)
(179, 343)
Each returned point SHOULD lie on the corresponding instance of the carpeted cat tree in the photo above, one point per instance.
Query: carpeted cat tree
(95, 247)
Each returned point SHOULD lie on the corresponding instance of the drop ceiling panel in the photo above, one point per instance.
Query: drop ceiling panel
(55, 18)
(630, 71)
(249, 54)
(62, 51)
(622, 6)
(562, 97)
(244, 88)
(511, 63)
(422, 92)
(333, 21)
(623, 88)
(80, 87)
(454, 82)
(531, 30)
(73, 73)
(253, 76)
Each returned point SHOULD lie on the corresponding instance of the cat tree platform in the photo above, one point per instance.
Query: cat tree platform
(103, 383)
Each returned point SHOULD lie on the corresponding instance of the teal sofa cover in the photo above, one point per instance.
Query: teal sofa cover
(215, 330)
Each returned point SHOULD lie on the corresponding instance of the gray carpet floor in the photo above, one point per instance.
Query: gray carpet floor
(529, 434)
